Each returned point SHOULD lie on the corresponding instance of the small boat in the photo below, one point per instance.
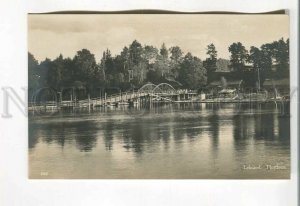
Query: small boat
(110, 105)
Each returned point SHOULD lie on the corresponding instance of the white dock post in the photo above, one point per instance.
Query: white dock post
(89, 101)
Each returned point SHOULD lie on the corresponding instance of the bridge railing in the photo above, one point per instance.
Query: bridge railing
(114, 96)
(123, 96)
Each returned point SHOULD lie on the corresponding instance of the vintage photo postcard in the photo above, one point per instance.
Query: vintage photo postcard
(158, 96)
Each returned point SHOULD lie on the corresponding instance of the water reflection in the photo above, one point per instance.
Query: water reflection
(215, 135)
(59, 132)
(213, 122)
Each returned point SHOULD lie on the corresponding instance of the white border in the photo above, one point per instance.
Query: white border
(16, 189)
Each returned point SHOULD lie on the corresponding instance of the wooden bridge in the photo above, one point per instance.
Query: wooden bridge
(146, 94)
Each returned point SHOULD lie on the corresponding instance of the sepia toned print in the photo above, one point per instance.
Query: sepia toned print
(158, 96)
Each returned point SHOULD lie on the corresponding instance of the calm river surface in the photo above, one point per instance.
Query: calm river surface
(168, 141)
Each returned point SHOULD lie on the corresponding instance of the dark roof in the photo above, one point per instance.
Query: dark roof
(223, 65)
(219, 83)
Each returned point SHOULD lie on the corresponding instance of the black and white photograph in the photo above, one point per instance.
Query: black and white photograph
(159, 96)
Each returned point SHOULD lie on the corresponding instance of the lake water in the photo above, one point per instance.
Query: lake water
(171, 141)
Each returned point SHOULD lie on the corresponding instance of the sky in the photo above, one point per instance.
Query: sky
(51, 35)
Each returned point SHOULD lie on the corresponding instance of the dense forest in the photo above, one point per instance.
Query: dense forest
(138, 64)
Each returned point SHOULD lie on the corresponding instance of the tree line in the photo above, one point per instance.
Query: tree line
(137, 64)
(271, 61)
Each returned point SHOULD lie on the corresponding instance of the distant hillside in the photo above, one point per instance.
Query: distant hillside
(223, 65)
